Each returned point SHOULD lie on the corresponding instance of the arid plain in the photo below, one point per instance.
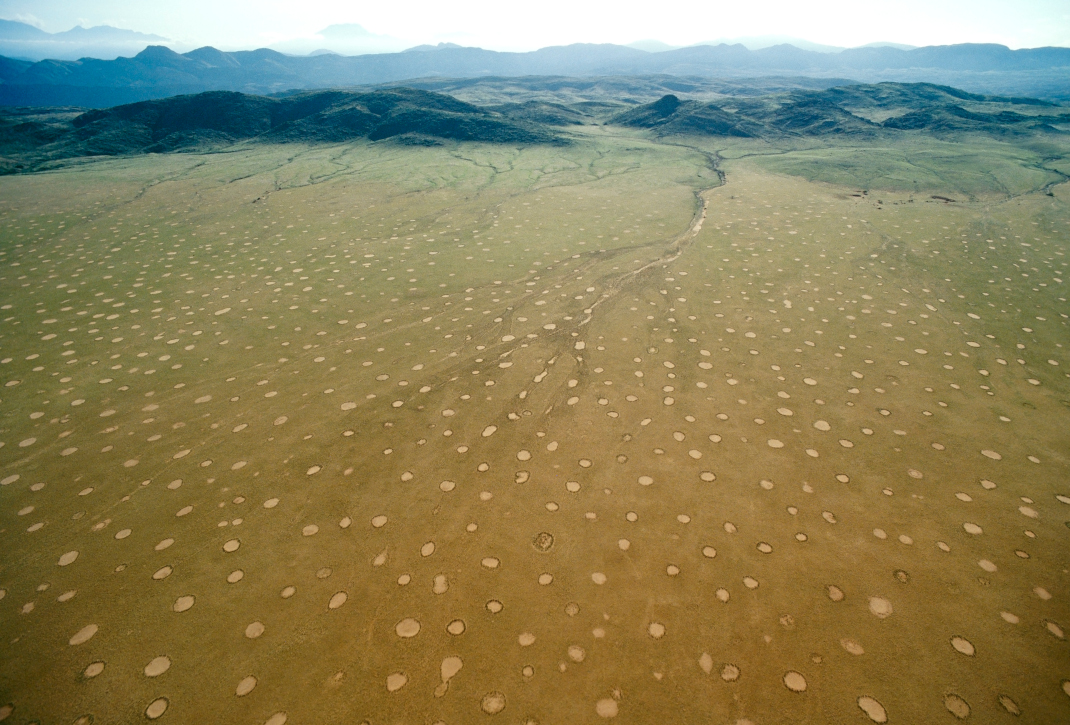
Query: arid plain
(623, 430)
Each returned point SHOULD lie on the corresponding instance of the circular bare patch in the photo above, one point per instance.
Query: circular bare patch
(245, 686)
(157, 666)
(795, 681)
(851, 646)
(1009, 705)
(156, 708)
(957, 706)
(963, 645)
(543, 541)
(606, 707)
(407, 628)
(873, 709)
(880, 607)
(492, 703)
(184, 603)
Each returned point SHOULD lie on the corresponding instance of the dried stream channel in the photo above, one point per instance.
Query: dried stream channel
(386, 434)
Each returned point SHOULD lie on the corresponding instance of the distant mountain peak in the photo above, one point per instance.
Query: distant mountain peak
(98, 33)
(427, 48)
(346, 30)
(760, 42)
(883, 44)
(652, 46)
(345, 39)
(160, 52)
(17, 30)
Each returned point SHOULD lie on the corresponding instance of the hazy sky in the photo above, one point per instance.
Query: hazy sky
(503, 25)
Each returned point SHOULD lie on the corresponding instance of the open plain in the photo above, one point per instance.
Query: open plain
(634, 428)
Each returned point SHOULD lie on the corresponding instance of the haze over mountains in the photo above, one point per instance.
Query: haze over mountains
(758, 42)
(342, 39)
(27, 42)
(158, 72)
(21, 40)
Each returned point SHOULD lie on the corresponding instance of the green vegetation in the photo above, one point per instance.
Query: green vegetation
(602, 93)
(216, 119)
(855, 110)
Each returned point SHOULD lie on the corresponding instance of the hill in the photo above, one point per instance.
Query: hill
(612, 91)
(32, 139)
(859, 110)
(196, 122)
(158, 72)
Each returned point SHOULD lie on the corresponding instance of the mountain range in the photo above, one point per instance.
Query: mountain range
(27, 42)
(21, 40)
(158, 72)
(757, 42)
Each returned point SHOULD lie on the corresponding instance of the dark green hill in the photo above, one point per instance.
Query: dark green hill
(802, 115)
(858, 110)
(658, 113)
(215, 118)
(170, 124)
(670, 115)
(551, 114)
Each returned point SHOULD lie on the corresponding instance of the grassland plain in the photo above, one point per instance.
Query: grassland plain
(369, 432)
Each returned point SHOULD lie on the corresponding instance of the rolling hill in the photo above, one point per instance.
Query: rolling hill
(215, 118)
(32, 139)
(858, 110)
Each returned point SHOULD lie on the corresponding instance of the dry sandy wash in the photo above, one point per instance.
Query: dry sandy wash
(454, 435)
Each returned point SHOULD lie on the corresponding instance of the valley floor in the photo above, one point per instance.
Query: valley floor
(374, 433)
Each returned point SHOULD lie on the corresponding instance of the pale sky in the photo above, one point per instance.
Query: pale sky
(503, 25)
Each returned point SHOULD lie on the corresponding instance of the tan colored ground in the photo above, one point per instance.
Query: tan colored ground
(343, 454)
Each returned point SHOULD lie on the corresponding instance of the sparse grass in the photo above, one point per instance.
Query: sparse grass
(808, 377)
(973, 167)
